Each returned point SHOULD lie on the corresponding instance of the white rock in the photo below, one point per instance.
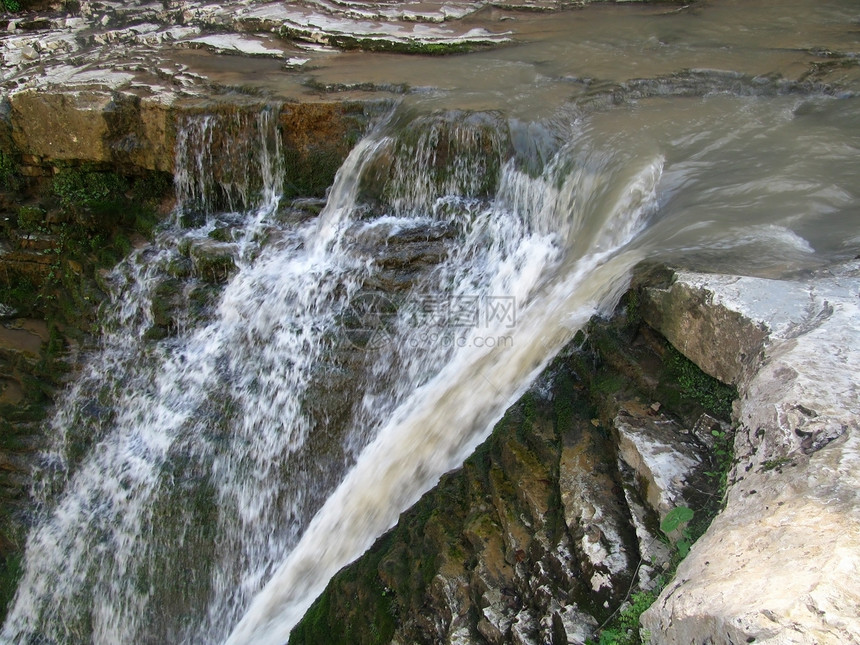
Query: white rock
(577, 625)
(661, 461)
(29, 52)
(781, 564)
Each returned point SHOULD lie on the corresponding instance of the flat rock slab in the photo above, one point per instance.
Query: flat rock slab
(663, 462)
(781, 563)
(130, 46)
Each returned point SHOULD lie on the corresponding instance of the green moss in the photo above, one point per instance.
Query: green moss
(775, 464)
(150, 188)
(310, 174)
(11, 568)
(723, 458)
(606, 383)
(81, 187)
(166, 302)
(529, 405)
(214, 268)
(31, 219)
(632, 308)
(222, 234)
(715, 397)
(623, 629)
(10, 179)
(355, 609)
(102, 201)
(14, 6)
(18, 293)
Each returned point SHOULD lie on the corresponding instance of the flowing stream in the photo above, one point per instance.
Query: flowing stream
(322, 368)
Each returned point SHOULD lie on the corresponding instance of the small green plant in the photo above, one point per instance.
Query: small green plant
(31, 218)
(715, 397)
(724, 455)
(775, 464)
(11, 6)
(623, 629)
(78, 188)
(678, 519)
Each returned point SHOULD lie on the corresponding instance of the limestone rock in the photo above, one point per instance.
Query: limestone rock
(664, 460)
(61, 126)
(721, 341)
(781, 563)
(595, 517)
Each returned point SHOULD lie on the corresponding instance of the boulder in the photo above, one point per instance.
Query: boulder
(213, 261)
(93, 126)
(780, 563)
(664, 460)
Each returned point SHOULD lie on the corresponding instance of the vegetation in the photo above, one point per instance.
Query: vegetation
(776, 464)
(715, 397)
(677, 520)
(9, 177)
(684, 392)
(83, 218)
(10, 573)
(624, 627)
(723, 456)
(14, 6)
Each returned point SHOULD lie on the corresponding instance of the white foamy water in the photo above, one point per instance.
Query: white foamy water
(182, 487)
(206, 481)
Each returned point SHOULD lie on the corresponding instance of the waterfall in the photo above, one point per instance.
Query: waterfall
(207, 477)
(516, 253)
(228, 161)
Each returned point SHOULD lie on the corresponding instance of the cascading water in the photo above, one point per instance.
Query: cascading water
(121, 518)
(245, 430)
(188, 467)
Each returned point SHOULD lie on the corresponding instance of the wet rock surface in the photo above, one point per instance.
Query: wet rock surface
(550, 524)
(105, 82)
(537, 538)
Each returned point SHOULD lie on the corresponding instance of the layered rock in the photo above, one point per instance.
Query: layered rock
(780, 562)
(131, 46)
(550, 525)
(47, 131)
(543, 532)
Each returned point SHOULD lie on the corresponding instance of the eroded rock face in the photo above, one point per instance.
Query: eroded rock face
(48, 130)
(664, 460)
(94, 126)
(540, 535)
(780, 564)
(488, 555)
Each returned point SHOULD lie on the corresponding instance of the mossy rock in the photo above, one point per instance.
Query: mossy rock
(167, 301)
(213, 262)
(31, 218)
